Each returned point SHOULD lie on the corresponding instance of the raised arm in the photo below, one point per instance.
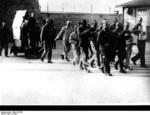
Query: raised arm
(60, 34)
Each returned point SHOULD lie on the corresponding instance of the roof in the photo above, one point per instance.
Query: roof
(135, 3)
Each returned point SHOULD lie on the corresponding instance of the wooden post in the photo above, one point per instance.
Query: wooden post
(91, 12)
(47, 10)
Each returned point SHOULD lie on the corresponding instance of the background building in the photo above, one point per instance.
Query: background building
(133, 10)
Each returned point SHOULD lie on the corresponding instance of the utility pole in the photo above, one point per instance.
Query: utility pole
(91, 12)
(109, 10)
(47, 9)
(73, 8)
(63, 7)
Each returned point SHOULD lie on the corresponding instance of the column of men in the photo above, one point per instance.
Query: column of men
(100, 46)
(92, 45)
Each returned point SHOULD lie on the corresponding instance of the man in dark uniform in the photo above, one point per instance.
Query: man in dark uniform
(116, 28)
(83, 32)
(116, 34)
(94, 46)
(32, 32)
(121, 46)
(37, 35)
(48, 36)
(24, 34)
(104, 38)
(4, 38)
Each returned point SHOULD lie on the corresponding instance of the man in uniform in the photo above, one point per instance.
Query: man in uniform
(32, 32)
(104, 38)
(83, 33)
(94, 46)
(121, 46)
(48, 36)
(24, 34)
(4, 39)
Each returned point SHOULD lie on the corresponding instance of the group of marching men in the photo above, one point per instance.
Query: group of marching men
(96, 46)
(91, 45)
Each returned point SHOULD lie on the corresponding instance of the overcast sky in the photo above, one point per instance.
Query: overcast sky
(98, 6)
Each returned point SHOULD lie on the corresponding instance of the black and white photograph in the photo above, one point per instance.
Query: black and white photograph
(74, 52)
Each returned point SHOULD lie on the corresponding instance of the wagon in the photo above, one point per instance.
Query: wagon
(17, 47)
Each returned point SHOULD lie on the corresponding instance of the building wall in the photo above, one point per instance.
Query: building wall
(131, 18)
(148, 14)
(61, 18)
(148, 24)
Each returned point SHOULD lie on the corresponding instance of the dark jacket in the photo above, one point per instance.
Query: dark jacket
(48, 35)
(104, 42)
(83, 34)
(113, 26)
(24, 31)
(116, 35)
(31, 23)
(104, 39)
(4, 35)
(125, 35)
